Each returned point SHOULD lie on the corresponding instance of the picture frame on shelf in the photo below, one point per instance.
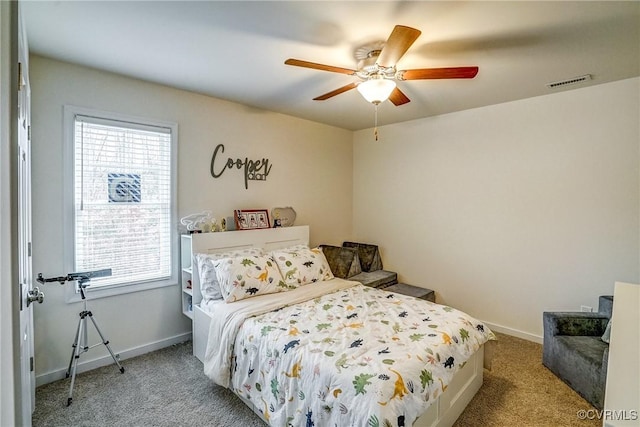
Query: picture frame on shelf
(251, 219)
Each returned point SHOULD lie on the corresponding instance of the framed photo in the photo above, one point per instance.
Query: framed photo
(251, 219)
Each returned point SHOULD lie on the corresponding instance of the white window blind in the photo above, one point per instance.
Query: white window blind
(122, 200)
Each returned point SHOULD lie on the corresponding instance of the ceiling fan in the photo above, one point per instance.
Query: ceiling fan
(377, 69)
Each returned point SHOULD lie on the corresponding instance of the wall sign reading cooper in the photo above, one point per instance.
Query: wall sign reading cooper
(254, 170)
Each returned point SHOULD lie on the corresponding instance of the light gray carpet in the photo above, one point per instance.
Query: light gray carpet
(163, 388)
(168, 388)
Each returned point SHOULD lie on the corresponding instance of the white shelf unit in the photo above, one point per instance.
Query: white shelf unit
(267, 239)
(186, 275)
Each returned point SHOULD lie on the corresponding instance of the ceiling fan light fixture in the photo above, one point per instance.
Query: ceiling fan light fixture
(376, 89)
(377, 69)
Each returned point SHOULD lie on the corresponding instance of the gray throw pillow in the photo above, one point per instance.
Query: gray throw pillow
(344, 262)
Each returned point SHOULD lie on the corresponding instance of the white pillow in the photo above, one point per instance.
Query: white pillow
(246, 276)
(607, 333)
(209, 286)
(302, 266)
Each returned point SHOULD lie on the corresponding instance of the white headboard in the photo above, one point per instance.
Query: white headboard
(268, 239)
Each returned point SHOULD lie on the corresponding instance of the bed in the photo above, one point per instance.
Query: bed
(320, 350)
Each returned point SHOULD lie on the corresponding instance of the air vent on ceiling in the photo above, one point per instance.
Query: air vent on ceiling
(571, 81)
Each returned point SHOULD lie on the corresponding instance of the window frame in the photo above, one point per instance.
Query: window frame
(72, 293)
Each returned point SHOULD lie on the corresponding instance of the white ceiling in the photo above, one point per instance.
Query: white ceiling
(236, 50)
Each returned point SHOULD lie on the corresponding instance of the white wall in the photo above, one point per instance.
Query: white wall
(509, 210)
(312, 171)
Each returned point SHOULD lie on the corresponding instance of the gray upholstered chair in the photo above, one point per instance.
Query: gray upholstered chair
(573, 349)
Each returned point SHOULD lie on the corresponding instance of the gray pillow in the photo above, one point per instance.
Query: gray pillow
(344, 262)
(369, 255)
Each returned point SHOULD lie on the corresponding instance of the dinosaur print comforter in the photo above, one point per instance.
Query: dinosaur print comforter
(355, 356)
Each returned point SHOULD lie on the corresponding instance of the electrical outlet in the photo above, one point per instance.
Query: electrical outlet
(586, 308)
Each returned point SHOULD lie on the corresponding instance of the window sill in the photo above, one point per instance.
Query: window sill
(72, 296)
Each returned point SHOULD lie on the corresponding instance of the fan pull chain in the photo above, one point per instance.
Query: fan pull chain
(375, 126)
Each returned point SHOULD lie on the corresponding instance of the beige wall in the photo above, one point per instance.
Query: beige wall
(509, 210)
(622, 395)
(312, 171)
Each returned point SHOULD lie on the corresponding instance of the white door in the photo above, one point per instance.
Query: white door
(27, 293)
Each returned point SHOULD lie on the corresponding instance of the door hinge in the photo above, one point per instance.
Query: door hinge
(29, 133)
(31, 363)
(29, 249)
(20, 84)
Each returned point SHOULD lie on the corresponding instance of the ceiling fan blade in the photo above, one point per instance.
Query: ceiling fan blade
(316, 66)
(398, 98)
(335, 92)
(438, 73)
(397, 44)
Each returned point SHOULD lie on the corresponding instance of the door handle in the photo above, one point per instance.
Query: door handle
(35, 295)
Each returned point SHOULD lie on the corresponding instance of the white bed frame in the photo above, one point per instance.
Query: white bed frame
(268, 239)
(442, 413)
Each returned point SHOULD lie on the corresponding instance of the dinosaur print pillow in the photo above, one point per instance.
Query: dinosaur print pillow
(246, 276)
(209, 285)
(302, 266)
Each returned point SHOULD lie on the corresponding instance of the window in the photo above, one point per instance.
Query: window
(121, 200)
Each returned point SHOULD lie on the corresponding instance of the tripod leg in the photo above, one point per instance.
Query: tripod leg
(75, 344)
(76, 356)
(106, 343)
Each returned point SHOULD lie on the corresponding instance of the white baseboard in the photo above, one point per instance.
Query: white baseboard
(107, 360)
(514, 332)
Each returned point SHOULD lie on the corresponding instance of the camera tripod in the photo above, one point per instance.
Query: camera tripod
(80, 342)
